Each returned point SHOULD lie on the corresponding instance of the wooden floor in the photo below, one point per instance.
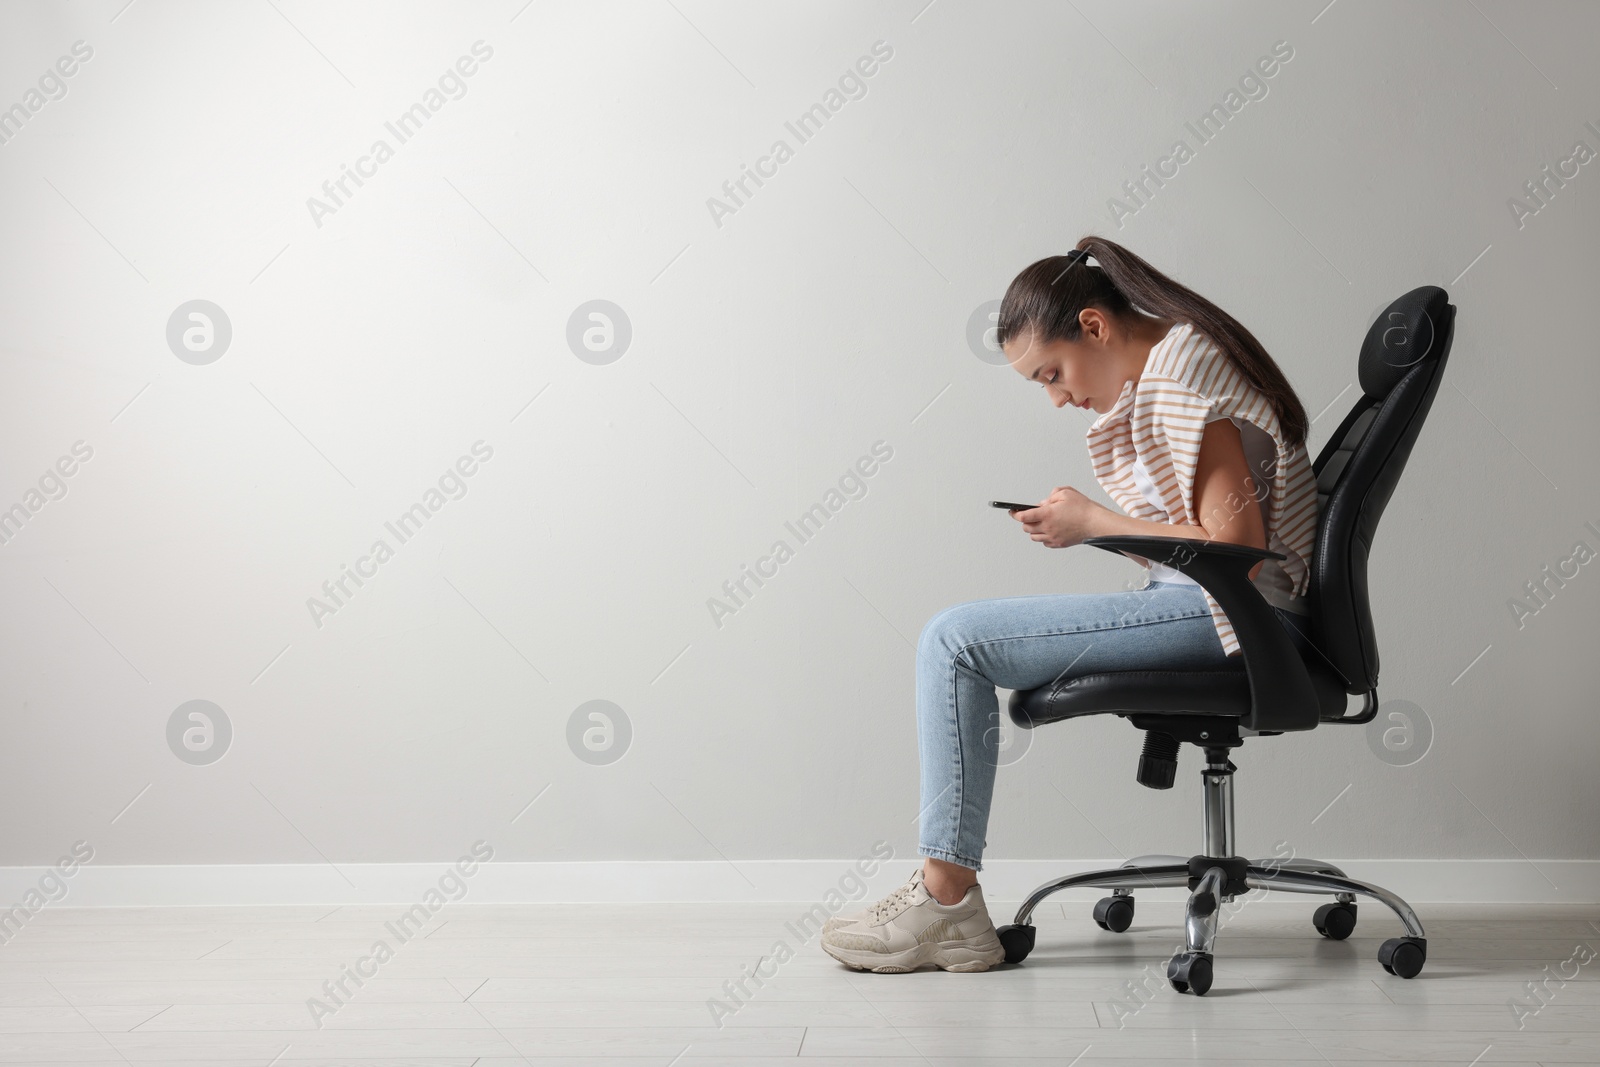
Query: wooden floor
(495, 985)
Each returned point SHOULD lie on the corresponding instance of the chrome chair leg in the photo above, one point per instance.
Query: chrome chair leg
(1160, 876)
(1152, 860)
(1200, 914)
(1307, 866)
(1284, 879)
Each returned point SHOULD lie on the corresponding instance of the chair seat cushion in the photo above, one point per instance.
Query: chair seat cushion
(1218, 691)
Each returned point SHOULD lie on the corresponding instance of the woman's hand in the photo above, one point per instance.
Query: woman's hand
(1063, 520)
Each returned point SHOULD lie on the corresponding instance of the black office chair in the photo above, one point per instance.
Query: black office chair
(1282, 682)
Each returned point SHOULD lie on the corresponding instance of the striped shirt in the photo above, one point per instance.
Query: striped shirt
(1151, 437)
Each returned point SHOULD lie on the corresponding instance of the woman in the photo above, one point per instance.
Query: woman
(1199, 436)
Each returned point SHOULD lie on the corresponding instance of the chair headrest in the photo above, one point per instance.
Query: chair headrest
(1406, 333)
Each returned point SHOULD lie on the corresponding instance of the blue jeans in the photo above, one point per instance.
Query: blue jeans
(1021, 642)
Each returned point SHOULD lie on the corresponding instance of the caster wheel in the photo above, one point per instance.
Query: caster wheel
(1017, 941)
(1335, 921)
(1190, 972)
(1404, 955)
(1114, 913)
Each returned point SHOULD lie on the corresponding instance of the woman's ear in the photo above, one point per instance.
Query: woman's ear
(1086, 319)
(1094, 323)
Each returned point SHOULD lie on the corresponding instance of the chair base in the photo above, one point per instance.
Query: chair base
(1213, 881)
(1216, 877)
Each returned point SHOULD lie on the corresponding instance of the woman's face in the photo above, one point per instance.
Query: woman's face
(1088, 373)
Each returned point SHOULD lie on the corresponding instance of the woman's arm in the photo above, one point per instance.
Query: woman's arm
(1227, 500)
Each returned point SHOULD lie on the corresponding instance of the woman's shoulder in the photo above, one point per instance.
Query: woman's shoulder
(1195, 367)
(1191, 358)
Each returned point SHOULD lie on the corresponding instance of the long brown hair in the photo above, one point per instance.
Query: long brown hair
(1048, 295)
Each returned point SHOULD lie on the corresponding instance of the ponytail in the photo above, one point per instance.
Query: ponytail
(1048, 295)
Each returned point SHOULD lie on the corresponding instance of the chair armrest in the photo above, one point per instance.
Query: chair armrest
(1281, 693)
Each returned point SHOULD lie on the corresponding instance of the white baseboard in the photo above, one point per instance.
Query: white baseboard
(770, 881)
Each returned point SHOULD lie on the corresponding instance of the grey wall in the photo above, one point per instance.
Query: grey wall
(374, 344)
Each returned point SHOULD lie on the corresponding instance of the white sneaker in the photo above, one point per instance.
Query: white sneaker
(908, 929)
(845, 919)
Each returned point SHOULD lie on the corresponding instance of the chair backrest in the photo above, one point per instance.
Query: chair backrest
(1402, 362)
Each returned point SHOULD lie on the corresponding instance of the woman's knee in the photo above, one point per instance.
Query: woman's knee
(948, 632)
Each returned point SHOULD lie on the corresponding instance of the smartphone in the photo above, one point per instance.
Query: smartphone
(1009, 506)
